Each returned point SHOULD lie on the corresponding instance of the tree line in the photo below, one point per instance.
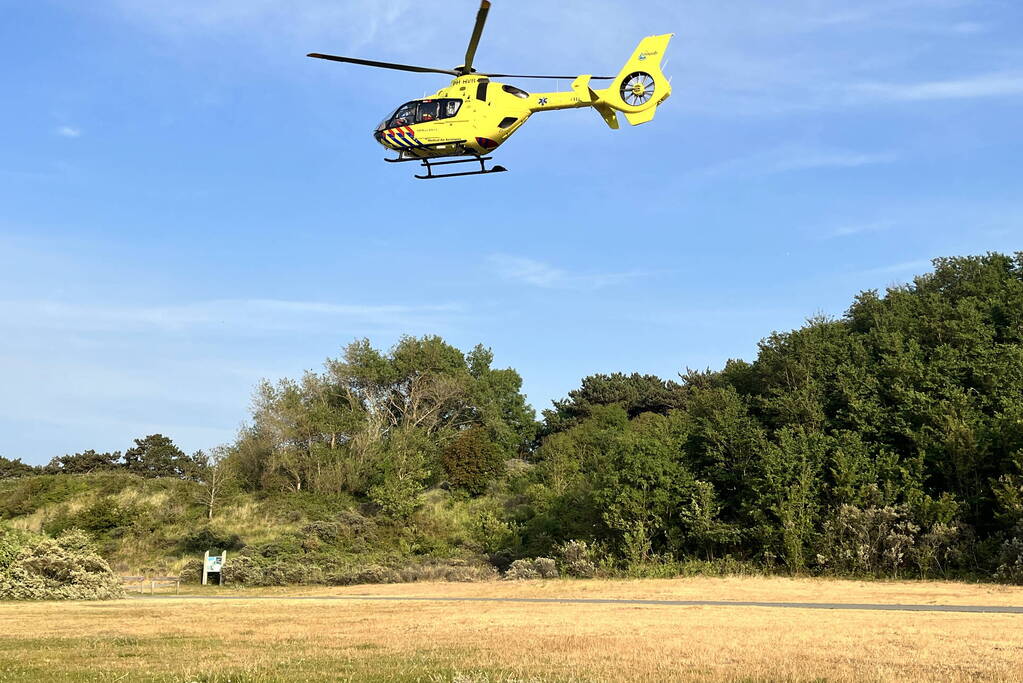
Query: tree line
(885, 442)
(152, 456)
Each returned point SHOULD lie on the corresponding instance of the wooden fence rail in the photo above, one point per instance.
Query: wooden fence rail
(141, 583)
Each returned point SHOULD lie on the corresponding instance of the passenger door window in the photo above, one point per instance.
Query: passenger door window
(428, 111)
(450, 108)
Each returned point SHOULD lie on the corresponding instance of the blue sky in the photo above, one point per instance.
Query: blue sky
(188, 204)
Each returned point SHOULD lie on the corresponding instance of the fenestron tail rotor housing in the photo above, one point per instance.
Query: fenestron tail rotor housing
(638, 88)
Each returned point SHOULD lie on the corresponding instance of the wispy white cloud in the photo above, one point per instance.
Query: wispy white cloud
(860, 228)
(796, 158)
(811, 160)
(981, 86)
(229, 316)
(540, 274)
(350, 24)
(69, 132)
(969, 28)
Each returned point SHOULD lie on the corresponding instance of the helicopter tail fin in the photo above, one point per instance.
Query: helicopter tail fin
(640, 87)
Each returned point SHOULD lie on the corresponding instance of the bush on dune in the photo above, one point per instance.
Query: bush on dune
(210, 538)
(63, 568)
(532, 568)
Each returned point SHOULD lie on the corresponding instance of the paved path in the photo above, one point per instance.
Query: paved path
(623, 602)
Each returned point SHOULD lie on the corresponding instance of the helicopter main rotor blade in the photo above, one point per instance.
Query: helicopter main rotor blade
(477, 33)
(560, 78)
(383, 65)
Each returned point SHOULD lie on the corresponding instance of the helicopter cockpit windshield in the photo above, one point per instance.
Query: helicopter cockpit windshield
(421, 111)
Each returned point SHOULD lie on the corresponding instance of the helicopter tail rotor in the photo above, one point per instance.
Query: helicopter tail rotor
(640, 86)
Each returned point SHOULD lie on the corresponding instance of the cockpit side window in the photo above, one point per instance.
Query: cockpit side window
(429, 110)
(406, 115)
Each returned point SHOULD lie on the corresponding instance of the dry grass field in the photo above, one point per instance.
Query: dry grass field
(169, 639)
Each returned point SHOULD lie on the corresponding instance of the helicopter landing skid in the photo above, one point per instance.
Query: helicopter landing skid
(428, 165)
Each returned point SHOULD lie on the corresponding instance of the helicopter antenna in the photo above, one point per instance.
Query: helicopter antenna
(477, 33)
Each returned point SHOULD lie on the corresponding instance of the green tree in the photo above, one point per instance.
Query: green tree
(636, 393)
(403, 471)
(157, 456)
(472, 460)
(84, 463)
(216, 478)
(333, 431)
(13, 469)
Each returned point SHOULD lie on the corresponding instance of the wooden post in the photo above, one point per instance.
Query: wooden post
(152, 587)
(205, 559)
(223, 561)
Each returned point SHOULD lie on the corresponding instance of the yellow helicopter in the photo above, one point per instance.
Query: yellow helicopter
(474, 115)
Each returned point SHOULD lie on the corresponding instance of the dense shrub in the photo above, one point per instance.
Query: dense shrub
(11, 543)
(502, 559)
(84, 463)
(210, 538)
(532, 568)
(347, 529)
(725, 566)
(472, 460)
(14, 469)
(242, 570)
(494, 534)
(355, 525)
(295, 573)
(25, 496)
(578, 559)
(191, 572)
(105, 516)
(368, 574)
(283, 548)
(65, 568)
(452, 571)
(1011, 568)
(322, 531)
(255, 570)
(886, 542)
